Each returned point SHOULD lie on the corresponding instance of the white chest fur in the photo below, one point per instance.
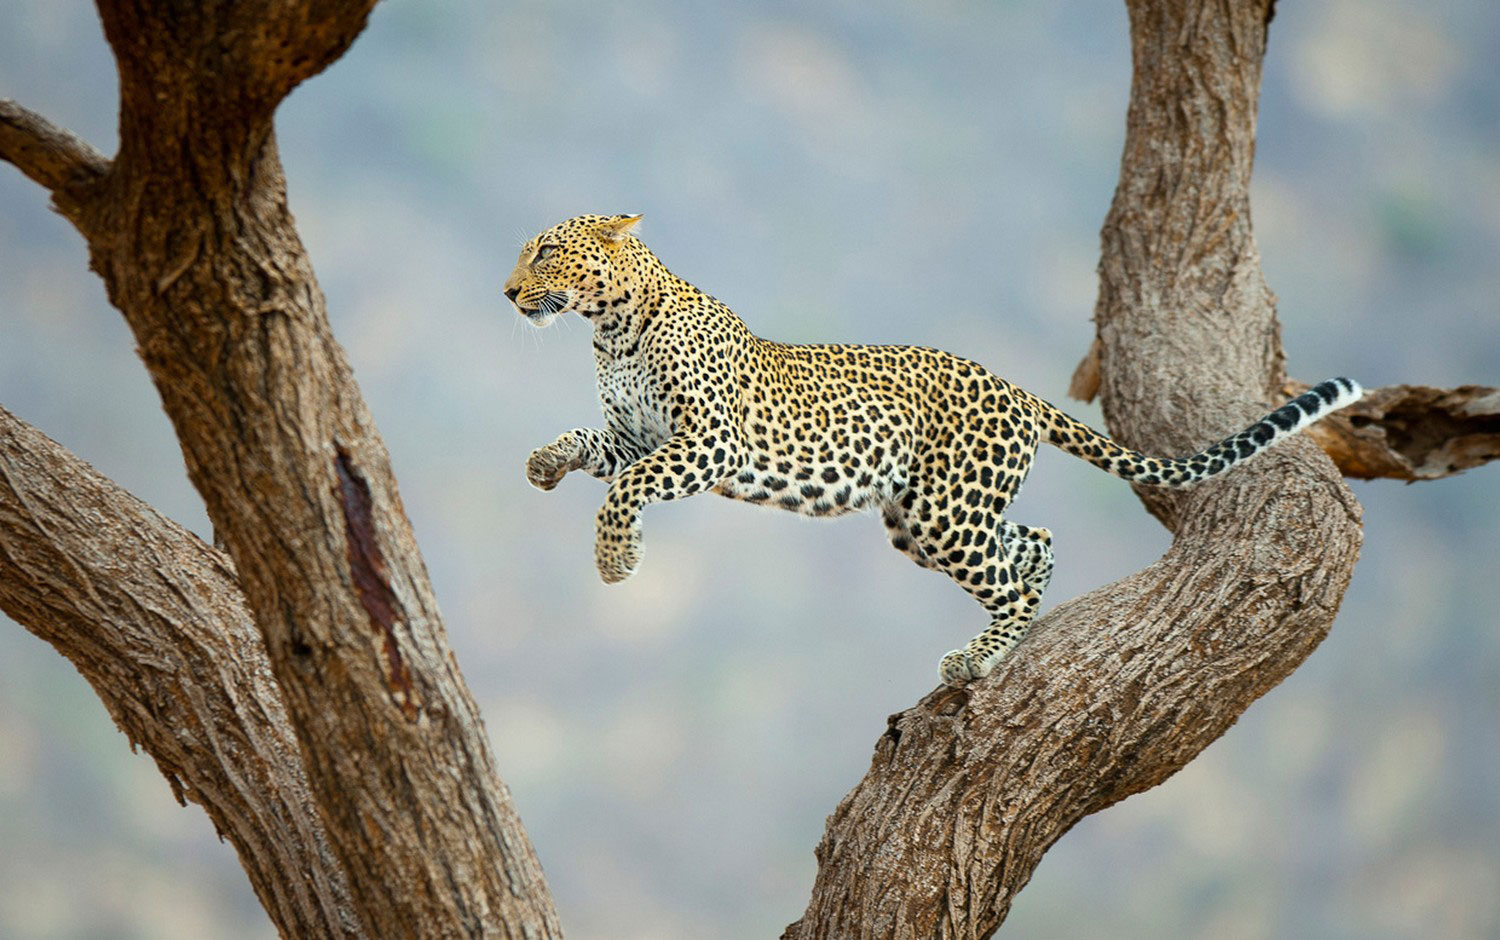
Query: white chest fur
(631, 402)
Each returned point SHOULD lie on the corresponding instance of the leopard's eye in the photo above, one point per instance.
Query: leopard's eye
(543, 253)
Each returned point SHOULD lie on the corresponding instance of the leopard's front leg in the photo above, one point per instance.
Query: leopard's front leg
(601, 452)
(683, 466)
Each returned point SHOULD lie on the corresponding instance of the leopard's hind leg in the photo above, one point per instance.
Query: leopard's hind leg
(1003, 566)
(896, 530)
(1030, 549)
(1026, 553)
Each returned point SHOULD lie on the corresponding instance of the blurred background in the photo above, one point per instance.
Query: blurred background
(869, 171)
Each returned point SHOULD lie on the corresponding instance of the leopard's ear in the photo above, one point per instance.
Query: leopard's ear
(615, 229)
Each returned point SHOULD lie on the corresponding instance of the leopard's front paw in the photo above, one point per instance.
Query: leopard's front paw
(546, 466)
(617, 550)
(958, 668)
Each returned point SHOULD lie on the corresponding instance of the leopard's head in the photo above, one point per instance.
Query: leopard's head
(585, 265)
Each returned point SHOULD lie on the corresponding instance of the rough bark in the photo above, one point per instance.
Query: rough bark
(154, 619)
(1412, 432)
(61, 163)
(189, 228)
(1117, 690)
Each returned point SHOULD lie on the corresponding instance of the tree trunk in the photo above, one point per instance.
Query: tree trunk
(189, 228)
(1117, 690)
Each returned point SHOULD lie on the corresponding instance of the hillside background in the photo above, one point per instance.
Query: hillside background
(930, 173)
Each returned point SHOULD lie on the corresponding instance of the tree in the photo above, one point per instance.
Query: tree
(300, 687)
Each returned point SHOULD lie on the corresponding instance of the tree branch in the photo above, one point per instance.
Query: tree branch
(315, 35)
(1117, 690)
(243, 57)
(1412, 432)
(1110, 694)
(1397, 432)
(153, 618)
(61, 163)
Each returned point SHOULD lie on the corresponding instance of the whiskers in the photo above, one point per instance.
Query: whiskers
(534, 336)
(553, 302)
(515, 324)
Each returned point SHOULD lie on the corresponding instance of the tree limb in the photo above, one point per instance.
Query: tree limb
(233, 62)
(61, 163)
(1117, 690)
(316, 35)
(1412, 432)
(1397, 432)
(153, 618)
(1110, 694)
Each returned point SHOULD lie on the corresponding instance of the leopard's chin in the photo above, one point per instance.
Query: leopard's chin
(537, 317)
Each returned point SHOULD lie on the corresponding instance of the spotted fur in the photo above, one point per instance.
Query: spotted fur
(694, 402)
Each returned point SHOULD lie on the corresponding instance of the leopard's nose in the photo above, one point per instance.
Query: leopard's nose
(512, 293)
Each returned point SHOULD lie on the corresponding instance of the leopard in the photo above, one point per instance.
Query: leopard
(694, 402)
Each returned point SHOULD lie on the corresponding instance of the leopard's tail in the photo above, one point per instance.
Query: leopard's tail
(1080, 440)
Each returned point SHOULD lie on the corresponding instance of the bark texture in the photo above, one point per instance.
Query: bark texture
(61, 163)
(189, 228)
(154, 619)
(1412, 432)
(1117, 690)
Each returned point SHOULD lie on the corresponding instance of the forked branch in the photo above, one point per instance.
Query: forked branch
(1117, 690)
(1109, 695)
(230, 62)
(192, 235)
